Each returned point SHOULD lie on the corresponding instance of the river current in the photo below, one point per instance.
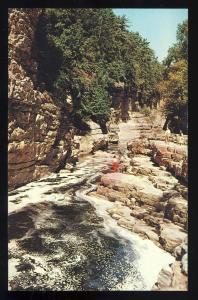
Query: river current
(62, 239)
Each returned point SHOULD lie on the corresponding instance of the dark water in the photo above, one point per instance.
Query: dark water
(63, 247)
(59, 241)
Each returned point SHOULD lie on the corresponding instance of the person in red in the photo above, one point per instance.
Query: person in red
(115, 163)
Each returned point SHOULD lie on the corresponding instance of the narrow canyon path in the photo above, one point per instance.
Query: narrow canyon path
(61, 239)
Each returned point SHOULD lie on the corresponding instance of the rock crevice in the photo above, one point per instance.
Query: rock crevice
(36, 137)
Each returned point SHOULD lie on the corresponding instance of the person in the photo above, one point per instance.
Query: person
(115, 163)
(167, 134)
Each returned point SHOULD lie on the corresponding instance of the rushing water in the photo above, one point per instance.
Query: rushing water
(61, 239)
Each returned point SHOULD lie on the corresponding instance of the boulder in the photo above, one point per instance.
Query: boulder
(139, 212)
(169, 194)
(143, 229)
(171, 236)
(117, 196)
(104, 191)
(176, 210)
(171, 278)
(180, 250)
(137, 187)
(127, 223)
(179, 280)
(153, 221)
(164, 279)
(100, 144)
(173, 157)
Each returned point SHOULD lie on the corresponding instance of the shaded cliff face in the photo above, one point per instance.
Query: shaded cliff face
(120, 102)
(37, 125)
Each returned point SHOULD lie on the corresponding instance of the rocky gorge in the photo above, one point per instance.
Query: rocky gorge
(146, 205)
(149, 201)
(86, 227)
(38, 126)
(36, 144)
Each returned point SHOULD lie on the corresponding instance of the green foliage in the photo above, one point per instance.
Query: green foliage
(179, 51)
(174, 87)
(176, 90)
(84, 52)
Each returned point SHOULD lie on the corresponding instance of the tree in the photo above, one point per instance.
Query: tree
(84, 52)
(174, 87)
(180, 49)
(175, 93)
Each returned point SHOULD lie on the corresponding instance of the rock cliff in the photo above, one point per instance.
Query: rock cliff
(37, 125)
(120, 102)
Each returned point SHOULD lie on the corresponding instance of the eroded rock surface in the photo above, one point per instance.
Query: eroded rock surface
(147, 201)
(157, 202)
(36, 134)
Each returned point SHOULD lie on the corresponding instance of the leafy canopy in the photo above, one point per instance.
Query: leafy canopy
(174, 87)
(84, 52)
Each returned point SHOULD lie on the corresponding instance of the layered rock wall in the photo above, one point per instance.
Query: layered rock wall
(35, 132)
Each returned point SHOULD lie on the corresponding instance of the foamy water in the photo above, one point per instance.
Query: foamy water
(150, 259)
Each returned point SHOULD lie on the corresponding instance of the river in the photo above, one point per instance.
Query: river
(62, 239)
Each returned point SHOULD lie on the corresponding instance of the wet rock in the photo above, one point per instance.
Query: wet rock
(139, 147)
(139, 212)
(183, 190)
(116, 216)
(136, 186)
(127, 223)
(180, 280)
(153, 221)
(171, 236)
(141, 171)
(119, 210)
(25, 265)
(93, 141)
(112, 195)
(164, 279)
(142, 228)
(104, 191)
(171, 279)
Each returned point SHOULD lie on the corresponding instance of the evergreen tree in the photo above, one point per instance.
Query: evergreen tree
(84, 52)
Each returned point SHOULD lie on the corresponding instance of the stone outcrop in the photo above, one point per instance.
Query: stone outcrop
(149, 204)
(94, 140)
(35, 131)
(157, 209)
(171, 279)
(173, 157)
